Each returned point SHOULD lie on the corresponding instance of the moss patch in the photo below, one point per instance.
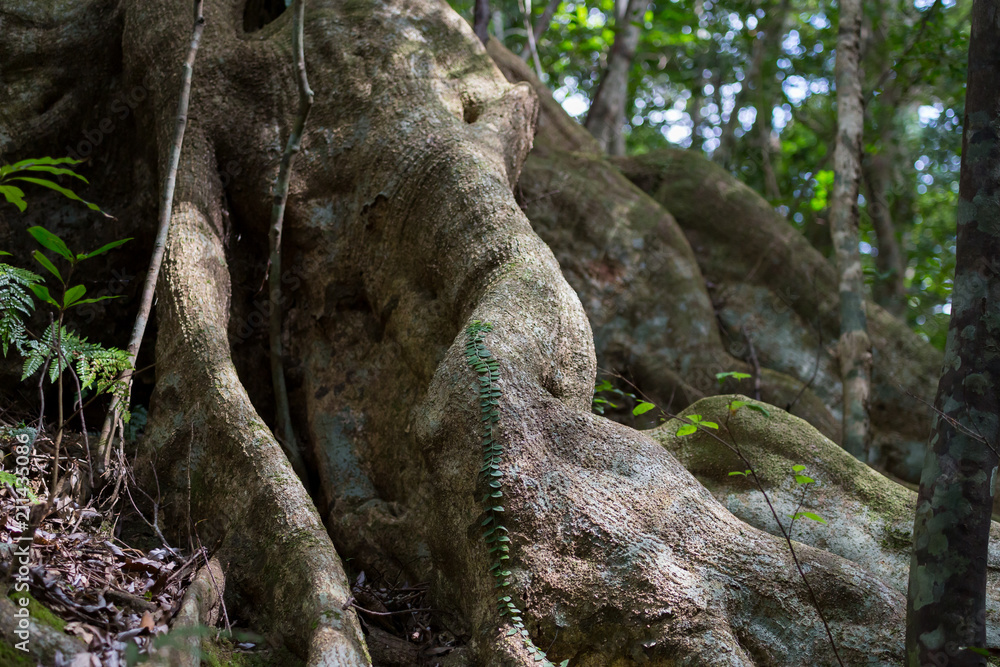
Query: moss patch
(39, 613)
(13, 658)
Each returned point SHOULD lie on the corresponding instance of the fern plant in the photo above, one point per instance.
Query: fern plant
(15, 304)
(57, 349)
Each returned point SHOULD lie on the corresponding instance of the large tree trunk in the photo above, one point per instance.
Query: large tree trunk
(946, 609)
(402, 228)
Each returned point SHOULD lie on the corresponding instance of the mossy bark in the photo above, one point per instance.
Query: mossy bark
(946, 607)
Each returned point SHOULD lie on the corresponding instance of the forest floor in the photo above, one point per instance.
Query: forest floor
(101, 570)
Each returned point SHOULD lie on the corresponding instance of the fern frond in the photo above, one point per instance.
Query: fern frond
(15, 301)
(93, 362)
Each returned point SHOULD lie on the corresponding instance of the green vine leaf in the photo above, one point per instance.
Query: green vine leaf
(736, 375)
(642, 408)
(686, 429)
(482, 361)
(808, 515)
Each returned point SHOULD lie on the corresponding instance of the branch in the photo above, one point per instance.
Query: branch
(481, 20)
(284, 431)
(159, 245)
(532, 47)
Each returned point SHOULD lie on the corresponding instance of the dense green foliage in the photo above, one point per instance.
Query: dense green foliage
(707, 76)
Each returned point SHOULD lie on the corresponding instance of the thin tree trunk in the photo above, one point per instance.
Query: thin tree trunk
(764, 95)
(763, 51)
(890, 292)
(854, 348)
(606, 117)
(481, 20)
(694, 107)
(946, 605)
(542, 24)
(763, 122)
(532, 49)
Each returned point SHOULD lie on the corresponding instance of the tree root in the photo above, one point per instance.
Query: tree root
(869, 518)
(226, 472)
(200, 609)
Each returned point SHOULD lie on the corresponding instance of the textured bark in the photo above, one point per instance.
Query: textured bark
(42, 641)
(946, 602)
(854, 349)
(606, 118)
(402, 227)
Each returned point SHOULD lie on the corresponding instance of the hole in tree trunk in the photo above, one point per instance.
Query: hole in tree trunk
(258, 13)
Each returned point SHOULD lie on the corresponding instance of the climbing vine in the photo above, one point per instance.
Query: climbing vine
(494, 532)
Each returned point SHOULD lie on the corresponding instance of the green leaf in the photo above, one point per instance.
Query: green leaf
(809, 515)
(104, 248)
(642, 408)
(15, 196)
(687, 429)
(802, 479)
(759, 408)
(2, 252)
(798, 468)
(44, 261)
(57, 171)
(50, 241)
(736, 375)
(709, 425)
(978, 651)
(736, 405)
(694, 418)
(98, 298)
(737, 472)
(73, 294)
(42, 292)
(30, 162)
(65, 192)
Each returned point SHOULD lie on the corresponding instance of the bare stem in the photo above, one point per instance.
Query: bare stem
(284, 431)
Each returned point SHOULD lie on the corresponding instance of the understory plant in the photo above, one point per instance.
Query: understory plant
(57, 351)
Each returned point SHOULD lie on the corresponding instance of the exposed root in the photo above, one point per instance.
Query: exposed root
(200, 608)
